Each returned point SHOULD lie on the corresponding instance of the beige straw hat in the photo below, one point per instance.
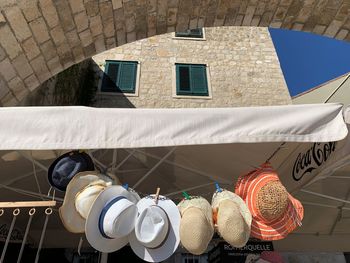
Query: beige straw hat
(81, 192)
(231, 217)
(196, 225)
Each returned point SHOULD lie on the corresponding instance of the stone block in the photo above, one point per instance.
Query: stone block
(130, 23)
(106, 10)
(48, 49)
(108, 28)
(78, 54)
(81, 21)
(77, 6)
(39, 66)
(65, 15)
(58, 35)
(9, 100)
(117, 4)
(49, 12)
(110, 43)
(31, 82)
(17, 22)
(73, 38)
(22, 66)
(7, 70)
(100, 44)
(92, 8)
(89, 50)
(55, 66)
(121, 37)
(18, 88)
(333, 28)
(342, 34)
(9, 42)
(40, 30)
(96, 25)
(30, 48)
(2, 54)
(30, 9)
(85, 38)
(3, 87)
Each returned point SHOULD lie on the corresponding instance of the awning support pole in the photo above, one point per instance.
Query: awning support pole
(339, 213)
(208, 176)
(325, 196)
(324, 205)
(189, 189)
(154, 167)
(123, 161)
(35, 161)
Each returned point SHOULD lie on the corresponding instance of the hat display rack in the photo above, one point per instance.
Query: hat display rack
(16, 212)
(104, 169)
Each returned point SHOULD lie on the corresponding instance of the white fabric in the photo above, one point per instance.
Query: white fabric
(96, 128)
(151, 227)
(120, 219)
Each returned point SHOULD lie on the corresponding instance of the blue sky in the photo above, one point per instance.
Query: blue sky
(308, 60)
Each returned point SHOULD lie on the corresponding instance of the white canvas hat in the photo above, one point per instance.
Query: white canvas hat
(196, 225)
(156, 235)
(111, 218)
(232, 218)
(81, 191)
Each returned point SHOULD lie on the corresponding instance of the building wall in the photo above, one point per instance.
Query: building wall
(242, 61)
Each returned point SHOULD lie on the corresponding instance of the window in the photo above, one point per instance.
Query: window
(191, 33)
(191, 80)
(119, 76)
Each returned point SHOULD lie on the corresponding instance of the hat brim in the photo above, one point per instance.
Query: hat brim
(70, 217)
(279, 228)
(93, 234)
(89, 163)
(173, 239)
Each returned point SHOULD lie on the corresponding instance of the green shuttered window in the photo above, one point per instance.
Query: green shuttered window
(190, 33)
(119, 76)
(191, 80)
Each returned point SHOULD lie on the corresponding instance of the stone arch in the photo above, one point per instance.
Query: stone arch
(40, 38)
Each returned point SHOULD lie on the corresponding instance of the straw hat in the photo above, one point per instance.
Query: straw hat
(65, 167)
(82, 190)
(196, 225)
(231, 217)
(275, 212)
(156, 236)
(111, 218)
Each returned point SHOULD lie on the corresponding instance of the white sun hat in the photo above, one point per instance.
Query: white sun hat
(81, 191)
(156, 235)
(111, 218)
(232, 218)
(196, 225)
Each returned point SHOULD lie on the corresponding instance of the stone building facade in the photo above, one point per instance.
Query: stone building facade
(242, 70)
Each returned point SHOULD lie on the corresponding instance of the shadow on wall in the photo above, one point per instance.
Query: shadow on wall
(75, 86)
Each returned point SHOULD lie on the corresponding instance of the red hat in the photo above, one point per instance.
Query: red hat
(275, 212)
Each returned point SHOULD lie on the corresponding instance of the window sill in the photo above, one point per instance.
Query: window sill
(102, 93)
(189, 38)
(209, 97)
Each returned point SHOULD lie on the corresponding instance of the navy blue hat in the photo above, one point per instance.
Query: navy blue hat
(63, 169)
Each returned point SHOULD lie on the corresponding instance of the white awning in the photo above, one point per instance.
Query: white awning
(37, 128)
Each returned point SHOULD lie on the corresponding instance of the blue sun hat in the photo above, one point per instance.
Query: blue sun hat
(65, 167)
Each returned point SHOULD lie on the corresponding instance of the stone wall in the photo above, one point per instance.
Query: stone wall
(243, 66)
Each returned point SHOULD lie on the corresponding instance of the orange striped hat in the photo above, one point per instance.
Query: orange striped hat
(275, 212)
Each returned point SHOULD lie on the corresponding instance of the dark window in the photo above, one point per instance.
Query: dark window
(192, 33)
(191, 80)
(119, 76)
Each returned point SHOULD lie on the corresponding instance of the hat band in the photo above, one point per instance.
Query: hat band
(167, 233)
(103, 214)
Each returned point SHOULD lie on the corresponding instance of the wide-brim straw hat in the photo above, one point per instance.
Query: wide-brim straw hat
(196, 225)
(248, 187)
(65, 167)
(169, 242)
(72, 220)
(115, 206)
(232, 218)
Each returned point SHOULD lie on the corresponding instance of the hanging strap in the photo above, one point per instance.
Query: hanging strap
(15, 214)
(31, 214)
(48, 212)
